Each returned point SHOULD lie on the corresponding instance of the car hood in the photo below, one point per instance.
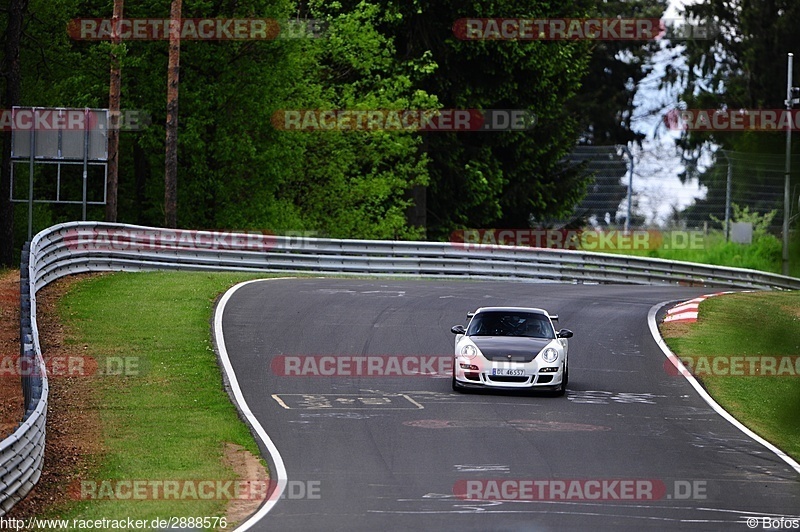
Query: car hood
(520, 348)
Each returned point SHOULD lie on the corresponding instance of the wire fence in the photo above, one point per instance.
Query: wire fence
(644, 189)
(606, 200)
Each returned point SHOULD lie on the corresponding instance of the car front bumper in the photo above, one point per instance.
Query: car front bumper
(544, 377)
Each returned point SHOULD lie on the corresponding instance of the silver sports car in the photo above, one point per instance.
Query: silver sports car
(511, 348)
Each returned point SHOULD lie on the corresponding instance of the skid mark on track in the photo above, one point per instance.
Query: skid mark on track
(340, 415)
(597, 397)
(665, 514)
(305, 401)
(481, 468)
(526, 425)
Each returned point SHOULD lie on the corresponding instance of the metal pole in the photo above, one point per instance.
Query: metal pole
(30, 177)
(85, 157)
(728, 187)
(786, 191)
(630, 190)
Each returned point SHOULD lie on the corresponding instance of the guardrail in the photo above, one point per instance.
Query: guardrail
(22, 453)
(95, 246)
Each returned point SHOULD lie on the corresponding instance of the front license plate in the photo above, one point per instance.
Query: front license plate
(504, 372)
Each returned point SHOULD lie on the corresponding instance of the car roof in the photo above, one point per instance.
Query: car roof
(532, 310)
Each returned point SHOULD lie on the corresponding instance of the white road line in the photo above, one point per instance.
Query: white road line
(244, 409)
(280, 401)
(651, 322)
(419, 406)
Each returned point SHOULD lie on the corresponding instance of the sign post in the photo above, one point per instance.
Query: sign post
(61, 137)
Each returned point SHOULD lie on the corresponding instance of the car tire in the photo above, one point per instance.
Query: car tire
(562, 389)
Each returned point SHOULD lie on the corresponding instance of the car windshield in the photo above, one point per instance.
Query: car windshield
(525, 324)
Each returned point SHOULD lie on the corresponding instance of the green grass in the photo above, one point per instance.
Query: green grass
(169, 422)
(750, 324)
(763, 254)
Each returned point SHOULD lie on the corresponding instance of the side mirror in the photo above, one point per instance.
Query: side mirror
(458, 329)
(565, 333)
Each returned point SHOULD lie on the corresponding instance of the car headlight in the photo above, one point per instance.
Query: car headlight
(469, 351)
(550, 355)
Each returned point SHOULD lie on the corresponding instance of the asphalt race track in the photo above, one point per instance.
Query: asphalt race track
(384, 453)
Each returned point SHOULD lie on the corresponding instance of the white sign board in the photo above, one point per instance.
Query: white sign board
(742, 232)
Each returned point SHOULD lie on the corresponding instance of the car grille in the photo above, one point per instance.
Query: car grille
(514, 358)
(498, 378)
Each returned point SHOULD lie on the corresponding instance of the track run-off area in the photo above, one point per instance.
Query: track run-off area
(631, 446)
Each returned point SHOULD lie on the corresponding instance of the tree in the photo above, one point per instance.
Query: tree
(11, 97)
(238, 171)
(497, 179)
(173, 77)
(114, 122)
(742, 66)
(605, 101)
(356, 184)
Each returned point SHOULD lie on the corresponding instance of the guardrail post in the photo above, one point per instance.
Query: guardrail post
(25, 330)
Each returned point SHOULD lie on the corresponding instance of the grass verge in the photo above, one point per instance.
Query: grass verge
(751, 325)
(763, 254)
(167, 416)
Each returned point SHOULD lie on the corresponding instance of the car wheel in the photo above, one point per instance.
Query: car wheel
(564, 381)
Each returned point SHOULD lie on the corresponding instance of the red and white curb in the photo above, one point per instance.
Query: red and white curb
(687, 311)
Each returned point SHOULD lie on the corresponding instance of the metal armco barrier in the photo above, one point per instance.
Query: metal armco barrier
(78, 247)
(22, 453)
